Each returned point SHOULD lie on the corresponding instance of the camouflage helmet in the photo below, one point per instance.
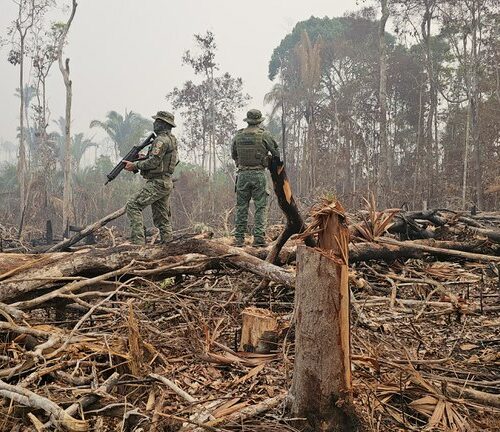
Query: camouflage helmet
(254, 116)
(166, 117)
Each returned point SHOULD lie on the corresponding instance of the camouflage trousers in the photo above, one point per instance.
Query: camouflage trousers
(252, 184)
(156, 193)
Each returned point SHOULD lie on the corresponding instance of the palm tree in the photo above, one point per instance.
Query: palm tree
(9, 148)
(125, 131)
(278, 98)
(28, 94)
(79, 147)
(57, 138)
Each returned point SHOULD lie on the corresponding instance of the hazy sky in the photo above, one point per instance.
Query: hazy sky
(126, 54)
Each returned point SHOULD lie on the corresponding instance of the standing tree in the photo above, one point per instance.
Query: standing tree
(308, 56)
(470, 31)
(64, 68)
(278, 99)
(208, 107)
(29, 12)
(383, 175)
(204, 63)
(44, 55)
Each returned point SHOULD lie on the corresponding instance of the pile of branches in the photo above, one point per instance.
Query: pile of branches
(146, 338)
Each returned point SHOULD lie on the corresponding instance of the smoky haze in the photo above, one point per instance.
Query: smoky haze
(126, 54)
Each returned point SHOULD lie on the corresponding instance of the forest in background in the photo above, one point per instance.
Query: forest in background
(410, 115)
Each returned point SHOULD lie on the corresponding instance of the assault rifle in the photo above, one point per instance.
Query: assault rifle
(132, 156)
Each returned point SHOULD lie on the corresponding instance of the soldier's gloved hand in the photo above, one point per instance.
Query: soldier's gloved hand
(129, 166)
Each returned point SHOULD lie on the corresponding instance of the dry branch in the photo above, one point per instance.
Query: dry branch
(86, 231)
(32, 400)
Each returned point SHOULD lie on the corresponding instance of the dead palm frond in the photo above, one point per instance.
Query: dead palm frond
(426, 400)
(376, 223)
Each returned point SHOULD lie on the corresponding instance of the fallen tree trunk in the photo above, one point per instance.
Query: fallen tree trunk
(57, 267)
(393, 249)
(409, 225)
(36, 272)
(493, 235)
(441, 251)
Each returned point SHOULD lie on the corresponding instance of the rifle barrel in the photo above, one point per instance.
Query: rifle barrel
(131, 155)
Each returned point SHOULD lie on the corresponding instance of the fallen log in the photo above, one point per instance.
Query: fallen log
(486, 399)
(91, 261)
(441, 251)
(493, 235)
(49, 270)
(409, 225)
(391, 250)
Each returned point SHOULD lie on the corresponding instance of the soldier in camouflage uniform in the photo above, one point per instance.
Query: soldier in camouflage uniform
(250, 150)
(157, 168)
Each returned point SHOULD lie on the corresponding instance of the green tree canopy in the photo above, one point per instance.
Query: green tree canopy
(125, 131)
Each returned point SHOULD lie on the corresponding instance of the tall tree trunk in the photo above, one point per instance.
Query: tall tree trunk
(429, 139)
(21, 163)
(64, 68)
(382, 182)
(418, 150)
(474, 106)
(466, 157)
(283, 128)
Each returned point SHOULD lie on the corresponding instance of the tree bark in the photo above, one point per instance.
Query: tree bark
(287, 204)
(321, 387)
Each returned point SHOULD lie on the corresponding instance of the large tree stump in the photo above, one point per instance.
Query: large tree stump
(321, 388)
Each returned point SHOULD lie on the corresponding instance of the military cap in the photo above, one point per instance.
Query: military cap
(254, 116)
(166, 117)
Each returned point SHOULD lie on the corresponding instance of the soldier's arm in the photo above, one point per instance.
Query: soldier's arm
(234, 153)
(158, 150)
(271, 144)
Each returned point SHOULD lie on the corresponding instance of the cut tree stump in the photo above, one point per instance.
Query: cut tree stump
(321, 388)
(259, 331)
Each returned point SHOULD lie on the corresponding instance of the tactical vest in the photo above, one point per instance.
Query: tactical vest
(169, 160)
(250, 148)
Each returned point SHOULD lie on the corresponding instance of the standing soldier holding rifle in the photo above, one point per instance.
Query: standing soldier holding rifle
(157, 168)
